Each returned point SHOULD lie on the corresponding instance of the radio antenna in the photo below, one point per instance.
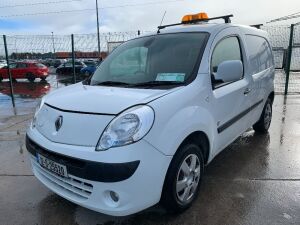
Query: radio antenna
(162, 20)
(163, 17)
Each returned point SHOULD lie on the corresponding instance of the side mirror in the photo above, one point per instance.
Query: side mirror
(229, 71)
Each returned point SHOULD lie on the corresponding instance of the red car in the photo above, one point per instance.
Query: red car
(27, 70)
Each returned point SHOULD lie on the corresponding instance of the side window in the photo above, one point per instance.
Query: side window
(21, 65)
(226, 50)
(260, 54)
(13, 66)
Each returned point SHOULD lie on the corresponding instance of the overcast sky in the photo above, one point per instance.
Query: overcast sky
(129, 18)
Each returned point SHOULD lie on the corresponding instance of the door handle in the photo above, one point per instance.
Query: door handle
(247, 91)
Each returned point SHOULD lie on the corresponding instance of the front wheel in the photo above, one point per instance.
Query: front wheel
(263, 124)
(30, 77)
(183, 179)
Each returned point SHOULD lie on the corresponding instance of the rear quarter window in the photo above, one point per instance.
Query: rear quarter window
(260, 53)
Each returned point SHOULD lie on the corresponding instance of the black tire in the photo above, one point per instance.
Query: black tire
(1, 78)
(30, 77)
(170, 198)
(43, 78)
(263, 124)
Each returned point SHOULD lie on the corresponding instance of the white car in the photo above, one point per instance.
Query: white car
(156, 111)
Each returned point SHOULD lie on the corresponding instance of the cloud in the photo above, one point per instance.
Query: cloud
(131, 18)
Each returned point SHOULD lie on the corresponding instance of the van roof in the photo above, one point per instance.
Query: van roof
(212, 28)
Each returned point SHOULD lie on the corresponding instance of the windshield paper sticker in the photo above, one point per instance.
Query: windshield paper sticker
(170, 77)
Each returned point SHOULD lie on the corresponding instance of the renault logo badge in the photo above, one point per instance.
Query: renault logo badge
(58, 123)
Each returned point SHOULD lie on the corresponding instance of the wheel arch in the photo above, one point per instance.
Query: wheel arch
(271, 96)
(201, 139)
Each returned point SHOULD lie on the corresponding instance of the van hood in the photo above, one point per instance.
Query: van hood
(101, 99)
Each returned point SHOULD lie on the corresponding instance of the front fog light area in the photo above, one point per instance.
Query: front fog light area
(114, 196)
(130, 126)
(112, 199)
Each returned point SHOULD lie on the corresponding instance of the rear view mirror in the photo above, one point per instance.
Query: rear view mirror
(228, 71)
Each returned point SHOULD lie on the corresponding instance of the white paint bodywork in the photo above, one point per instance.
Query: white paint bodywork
(178, 113)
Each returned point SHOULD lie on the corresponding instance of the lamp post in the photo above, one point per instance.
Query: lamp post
(53, 44)
(98, 33)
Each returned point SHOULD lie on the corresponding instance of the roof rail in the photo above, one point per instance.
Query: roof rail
(256, 25)
(226, 19)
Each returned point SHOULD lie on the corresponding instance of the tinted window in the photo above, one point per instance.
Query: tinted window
(260, 54)
(68, 64)
(157, 58)
(89, 63)
(226, 49)
(13, 65)
(130, 61)
(21, 65)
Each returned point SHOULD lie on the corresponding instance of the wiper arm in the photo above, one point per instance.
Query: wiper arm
(157, 83)
(111, 83)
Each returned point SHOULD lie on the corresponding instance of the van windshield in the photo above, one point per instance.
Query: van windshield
(164, 60)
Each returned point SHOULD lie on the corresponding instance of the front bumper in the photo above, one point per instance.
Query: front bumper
(89, 170)
(138, 178)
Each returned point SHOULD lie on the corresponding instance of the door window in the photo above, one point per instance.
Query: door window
(13, 66)
(21, 65)
(226, 49)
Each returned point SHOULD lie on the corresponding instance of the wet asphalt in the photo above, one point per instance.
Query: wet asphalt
(256, 180)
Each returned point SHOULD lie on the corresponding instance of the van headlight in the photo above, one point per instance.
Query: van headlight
(38, 108)
(128, 127)
(39, 105)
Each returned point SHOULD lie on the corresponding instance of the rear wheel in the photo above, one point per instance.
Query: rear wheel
(30, 77)
(183, 179)
(1, 78)
(43, 78)
(263, 124)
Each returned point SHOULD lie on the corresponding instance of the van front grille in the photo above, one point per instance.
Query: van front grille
(69, 186)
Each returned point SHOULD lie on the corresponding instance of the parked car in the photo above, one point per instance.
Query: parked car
(67, 68)
(90, 68)
(27, 70)
(47, 62)
(58, 62)
(156, 111)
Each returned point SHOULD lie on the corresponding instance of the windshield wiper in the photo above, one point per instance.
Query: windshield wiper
(112, 83)
(157, 83)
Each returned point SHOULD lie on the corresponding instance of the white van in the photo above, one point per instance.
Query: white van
(157, 110)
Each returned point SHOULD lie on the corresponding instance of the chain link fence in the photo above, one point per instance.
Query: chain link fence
(55, 51)
(287, 80)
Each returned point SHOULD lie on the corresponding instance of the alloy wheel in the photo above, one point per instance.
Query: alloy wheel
(267, 116)
(188, 178)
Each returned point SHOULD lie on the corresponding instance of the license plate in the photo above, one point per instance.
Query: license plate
(52, 166)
